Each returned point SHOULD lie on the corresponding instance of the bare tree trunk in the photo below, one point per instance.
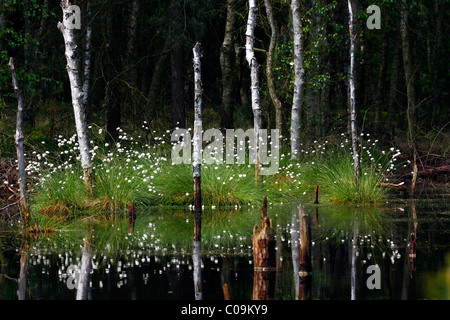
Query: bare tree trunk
(409, 78)
(254, 68)
(197, 152)
(299, 71)
(19, 137)
(351, 84)
(77, 94)
(197, 263)
(87, 59)
(393, 89)
(228, 72)
(273, 41)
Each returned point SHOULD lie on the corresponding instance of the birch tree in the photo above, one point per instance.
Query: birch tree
(254, 87)
(351, 84)
(299, 71)
(87, 57)
(197, 152)
(76, 92)
(19, 138)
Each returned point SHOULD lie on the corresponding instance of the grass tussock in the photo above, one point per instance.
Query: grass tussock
(140, 170)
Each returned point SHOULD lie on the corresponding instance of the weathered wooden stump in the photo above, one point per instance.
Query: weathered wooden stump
(316, 194)
(264, 257)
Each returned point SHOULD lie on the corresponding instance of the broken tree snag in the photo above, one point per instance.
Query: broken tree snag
(264, 243)
(305, 243)
(197, 145)
(19, 138)
(316, 194)
(264, 257)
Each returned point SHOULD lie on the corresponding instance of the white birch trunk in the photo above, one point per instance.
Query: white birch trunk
(83, 288)
(19, 138)
(77, 92)
(297, 100)
(254, 67)
(87, 58)
(197, 152)
(351, 83)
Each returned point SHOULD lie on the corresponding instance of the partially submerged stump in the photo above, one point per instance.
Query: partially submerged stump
(264, 257)
(264, 243)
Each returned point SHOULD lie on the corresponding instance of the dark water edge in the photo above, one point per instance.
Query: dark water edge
(156, 262)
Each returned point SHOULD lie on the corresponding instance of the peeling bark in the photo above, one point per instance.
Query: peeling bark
(19, 138)
(87, 59)
(254, 69)
(351, 83)
(77, 95)
(197, 152)
(299, 71)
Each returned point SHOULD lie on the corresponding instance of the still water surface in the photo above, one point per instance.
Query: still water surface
(156, 261)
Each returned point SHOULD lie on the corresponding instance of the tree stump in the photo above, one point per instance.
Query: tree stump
(264, 257)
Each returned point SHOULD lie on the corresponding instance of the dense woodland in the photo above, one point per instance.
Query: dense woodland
(136, 65)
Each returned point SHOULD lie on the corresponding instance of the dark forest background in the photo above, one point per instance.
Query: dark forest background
(141, 68)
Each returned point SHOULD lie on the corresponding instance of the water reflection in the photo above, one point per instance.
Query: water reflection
(160, 260)
(197, 262)
(84, 276)
(22, 281)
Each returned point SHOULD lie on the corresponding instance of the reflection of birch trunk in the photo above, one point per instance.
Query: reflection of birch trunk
(77, 93)
(197, 261)
(19, 138)
(353, 242)
(197, 152)
(264, 263)
(254, 68)
(83, 288)
(299, 71)
(24, 257)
